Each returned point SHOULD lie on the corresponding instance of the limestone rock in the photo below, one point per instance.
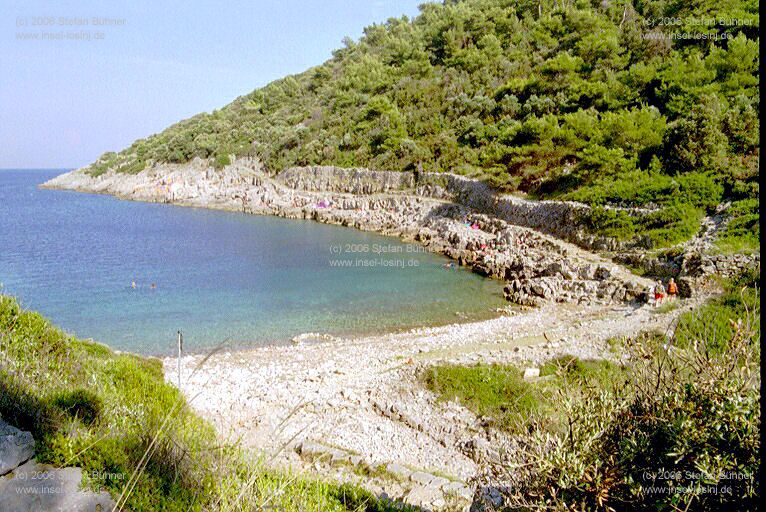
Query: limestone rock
(35, 487)
(419, 477)
(16, 447)
(458, 489)
(531, 373)
(423, 496)
(398, 470)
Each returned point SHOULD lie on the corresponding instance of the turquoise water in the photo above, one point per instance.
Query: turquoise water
(220, 276)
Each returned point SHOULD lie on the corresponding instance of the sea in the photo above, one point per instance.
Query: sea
(132, 274)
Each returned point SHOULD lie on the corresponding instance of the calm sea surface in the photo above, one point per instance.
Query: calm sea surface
(218, 276)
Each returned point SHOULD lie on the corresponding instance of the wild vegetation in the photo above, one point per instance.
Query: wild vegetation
(676, 428)
(500, 394)
(134, 435)
(604, 102)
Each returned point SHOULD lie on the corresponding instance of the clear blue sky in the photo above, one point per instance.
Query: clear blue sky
(63, 102)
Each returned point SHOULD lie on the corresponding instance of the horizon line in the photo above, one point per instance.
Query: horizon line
(38, 168)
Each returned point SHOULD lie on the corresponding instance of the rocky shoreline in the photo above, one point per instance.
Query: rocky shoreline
(26, 484)
(501, 237)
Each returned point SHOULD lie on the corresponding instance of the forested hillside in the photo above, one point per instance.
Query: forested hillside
(642, 103)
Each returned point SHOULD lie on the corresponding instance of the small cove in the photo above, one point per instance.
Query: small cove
(217, 276)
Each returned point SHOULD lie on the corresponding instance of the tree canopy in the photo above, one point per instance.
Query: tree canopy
(626, 102)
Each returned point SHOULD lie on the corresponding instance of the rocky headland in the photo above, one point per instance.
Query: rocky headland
(536, 247)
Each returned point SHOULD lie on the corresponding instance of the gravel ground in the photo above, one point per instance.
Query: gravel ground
(340, 392)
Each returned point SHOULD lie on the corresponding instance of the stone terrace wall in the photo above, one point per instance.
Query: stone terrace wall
(558, 218)
(342, 180)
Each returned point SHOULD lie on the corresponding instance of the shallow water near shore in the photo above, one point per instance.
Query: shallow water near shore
(216, 276)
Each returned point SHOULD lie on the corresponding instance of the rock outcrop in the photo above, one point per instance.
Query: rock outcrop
(27, 486)
(404, 485)
(35, 487)
(502, 237)
(16, 447)
(348, 181)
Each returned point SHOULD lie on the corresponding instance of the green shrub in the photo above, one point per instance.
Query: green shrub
(664, 443)
(637, 188)
(681, 433)
(104, 163)
(743, 230)
(82, 404)
(133, 167)
(221, 161)
(617, 224)
(699, 189)
(671, 225)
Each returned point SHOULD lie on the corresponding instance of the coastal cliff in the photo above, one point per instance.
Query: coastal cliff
(519, 241)
(538, 247)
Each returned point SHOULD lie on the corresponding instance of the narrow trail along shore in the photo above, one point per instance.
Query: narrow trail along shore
(360, 402)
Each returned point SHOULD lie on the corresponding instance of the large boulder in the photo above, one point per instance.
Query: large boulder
(37, 487)
(16, 447)
(686, 287)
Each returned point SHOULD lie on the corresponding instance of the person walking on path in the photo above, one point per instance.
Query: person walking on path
(659, 293)
(672, 289)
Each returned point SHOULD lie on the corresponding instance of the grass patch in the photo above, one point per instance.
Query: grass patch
(616, 344)
(714, 324)
(113, 414)
(378, 471)
(501, 393)
(667, 307)
(572, 371)
(743, 231)
(495, 391)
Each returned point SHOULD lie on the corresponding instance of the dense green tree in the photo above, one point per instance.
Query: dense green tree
(557, 98)
(696, 142)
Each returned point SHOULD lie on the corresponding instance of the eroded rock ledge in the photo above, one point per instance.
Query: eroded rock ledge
(509, 238)
(26, 484)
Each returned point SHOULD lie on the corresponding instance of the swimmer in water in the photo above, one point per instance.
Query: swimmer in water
(153, 286)
(133, 284)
